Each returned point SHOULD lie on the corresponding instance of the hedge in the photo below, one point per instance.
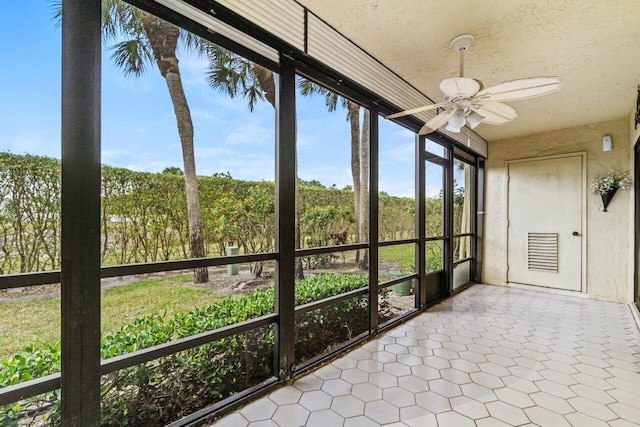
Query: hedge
(144, 215)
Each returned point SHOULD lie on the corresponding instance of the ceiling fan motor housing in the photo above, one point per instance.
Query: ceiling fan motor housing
(461, 42)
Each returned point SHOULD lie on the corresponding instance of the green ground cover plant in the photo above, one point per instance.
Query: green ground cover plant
(166, 389)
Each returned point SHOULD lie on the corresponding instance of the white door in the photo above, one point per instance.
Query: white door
(545, 222)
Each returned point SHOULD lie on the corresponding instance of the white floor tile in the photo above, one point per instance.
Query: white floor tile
(262, 409)
(324, 418)
(591, 408)
(545, 418)
(581, 420)
(451, 418)
(552, 403)
(382, 412)
(469, 407)
(292, 415)
(347, 406)
(490, 357)
(507, 413)
(366, 392)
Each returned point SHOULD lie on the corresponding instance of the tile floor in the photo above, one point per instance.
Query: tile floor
(490, 356)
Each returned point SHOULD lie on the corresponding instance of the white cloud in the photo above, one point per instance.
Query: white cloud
(133, 84)
(137, 161)
(32, 142)
(397, 187)
(241, 165)
(432, 190)
(327, 175)
(208, 152)
(192, 69)
(251, 133)
(401, 153)
(205, 115)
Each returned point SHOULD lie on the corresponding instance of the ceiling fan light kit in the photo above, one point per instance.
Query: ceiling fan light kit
(465, 102)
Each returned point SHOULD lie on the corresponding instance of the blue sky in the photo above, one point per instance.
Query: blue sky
(139, 128)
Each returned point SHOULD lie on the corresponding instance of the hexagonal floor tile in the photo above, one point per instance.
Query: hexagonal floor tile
(324, 418)
(347, 406)
(382, 412)
(291, 415)
(398, 397)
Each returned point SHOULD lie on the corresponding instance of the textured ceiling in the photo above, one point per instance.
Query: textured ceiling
(592, 45)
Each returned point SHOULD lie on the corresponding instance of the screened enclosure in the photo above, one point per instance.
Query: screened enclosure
(277, 220)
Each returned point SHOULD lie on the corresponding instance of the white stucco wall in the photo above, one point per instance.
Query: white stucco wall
(608, 273)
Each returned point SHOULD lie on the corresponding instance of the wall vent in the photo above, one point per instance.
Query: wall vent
(542, 251)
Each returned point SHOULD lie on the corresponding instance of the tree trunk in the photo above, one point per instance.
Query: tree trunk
(163, 39)
(354, 122)
(364, 188)
(267, 83)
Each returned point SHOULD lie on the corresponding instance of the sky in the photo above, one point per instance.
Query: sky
(139, 129)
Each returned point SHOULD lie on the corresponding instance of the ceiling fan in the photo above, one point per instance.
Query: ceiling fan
(466, 102)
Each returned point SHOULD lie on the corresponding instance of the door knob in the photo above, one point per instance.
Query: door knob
(575, 233)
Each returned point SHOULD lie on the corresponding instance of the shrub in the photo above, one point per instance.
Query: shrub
(168, 388)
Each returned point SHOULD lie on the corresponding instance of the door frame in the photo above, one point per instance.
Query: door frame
(636, 216)
(583, 243)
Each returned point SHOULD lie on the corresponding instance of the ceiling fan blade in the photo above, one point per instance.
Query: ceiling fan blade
(437, 121)
(494, 113)
(520, 89)
(417, 110)
(459, 87)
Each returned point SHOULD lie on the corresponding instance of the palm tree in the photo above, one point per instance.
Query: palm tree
(237, 76)
(359, 158)
(141, 39)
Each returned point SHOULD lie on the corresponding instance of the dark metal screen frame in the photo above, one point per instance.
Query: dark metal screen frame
(80, 275)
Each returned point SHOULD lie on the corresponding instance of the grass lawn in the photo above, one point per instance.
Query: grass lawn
(35, 322)
(402, 254)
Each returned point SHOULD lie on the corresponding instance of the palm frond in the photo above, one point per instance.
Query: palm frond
(331, 99)
(253, 93)
(227, 72)
(56, 12)
(120, 20)
(132, 56)
(193, 43)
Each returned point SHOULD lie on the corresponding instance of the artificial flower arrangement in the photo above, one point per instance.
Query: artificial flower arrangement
(607, 185)
(614, 179)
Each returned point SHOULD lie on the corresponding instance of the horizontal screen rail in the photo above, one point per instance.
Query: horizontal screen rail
(331, 249)
(409, 276)
(463, 260)
(157, 267)
(305, 308)
(24, 390)
(146, 355)
(22, 280)
(397, 242)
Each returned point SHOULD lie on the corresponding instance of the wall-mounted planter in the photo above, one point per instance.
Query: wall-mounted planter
(607, 197)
